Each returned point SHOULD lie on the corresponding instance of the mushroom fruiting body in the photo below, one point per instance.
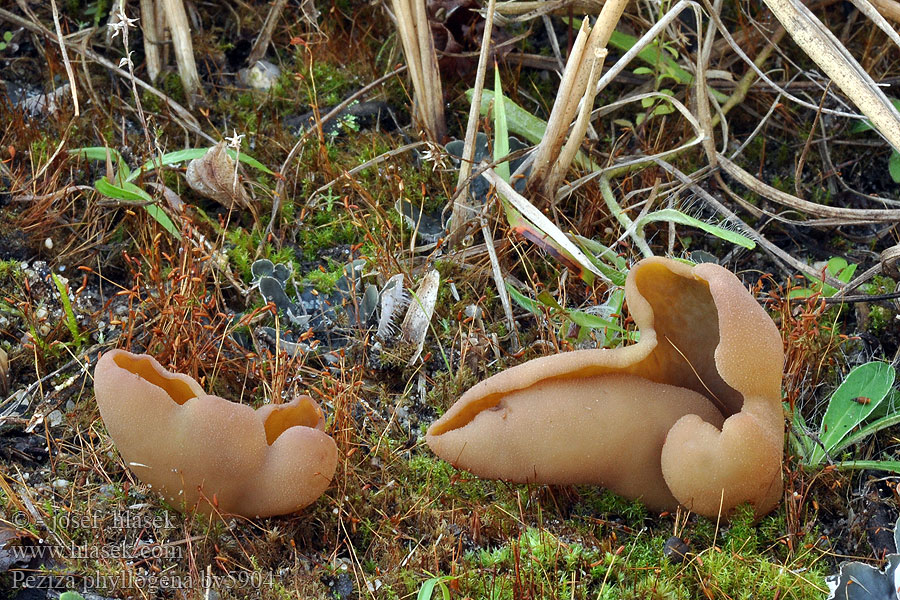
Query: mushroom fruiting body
(690, 414)
(190, 446)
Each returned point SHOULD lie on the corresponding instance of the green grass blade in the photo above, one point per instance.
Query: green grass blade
(180, 156)
(522, 123)
(97, 153)
(160, 216)
(501, 131)
(868, 430)
(524, 301)
(892, 466)
(676, 216)
(127, 192)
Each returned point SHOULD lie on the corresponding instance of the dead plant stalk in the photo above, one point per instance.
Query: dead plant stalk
(578, 87)
(421, 58)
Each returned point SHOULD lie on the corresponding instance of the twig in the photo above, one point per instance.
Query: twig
(501, 286)
(460, 200)
(65, 56)
(265, 34)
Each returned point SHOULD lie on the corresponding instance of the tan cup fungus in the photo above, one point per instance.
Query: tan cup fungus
(196, 449)
(691, 414)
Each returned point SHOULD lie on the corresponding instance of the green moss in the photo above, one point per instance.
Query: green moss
(324, 281)
(879, 317)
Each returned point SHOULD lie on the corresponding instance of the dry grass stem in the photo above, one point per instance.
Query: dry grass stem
(421, 58)
(462, 204)
(265, 35)
(578, 87)
(889, 8)
(152, 39)
(180, 28)
(65, 55)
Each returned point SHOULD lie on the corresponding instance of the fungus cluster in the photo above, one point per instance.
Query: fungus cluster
(690, 414)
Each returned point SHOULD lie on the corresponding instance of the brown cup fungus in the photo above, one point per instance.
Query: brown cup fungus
(196, 449)
(690, 414)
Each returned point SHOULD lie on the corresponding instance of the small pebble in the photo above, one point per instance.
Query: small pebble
(55, 418)
(676, 550)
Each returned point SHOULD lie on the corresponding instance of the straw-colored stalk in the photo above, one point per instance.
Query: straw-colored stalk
(463, 206)
(889, 8)
(151, 39)
(421, 58)
(155, 16)
(554, 155)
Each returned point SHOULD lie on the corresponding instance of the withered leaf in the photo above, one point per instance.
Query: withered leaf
(213, 175)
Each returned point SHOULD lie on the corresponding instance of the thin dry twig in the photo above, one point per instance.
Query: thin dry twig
(65, 56)
(265, 35)
(461, 202)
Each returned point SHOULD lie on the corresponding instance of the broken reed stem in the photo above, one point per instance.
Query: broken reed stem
(265, 35)
(462, 204)
(570, 149)
(550, 166)
(184, 49)
(151, 39)
(557, 125)
(888, 8)
(418, 47)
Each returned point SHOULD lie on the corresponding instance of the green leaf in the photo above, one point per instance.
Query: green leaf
(866, 125)
(547, 299)
(127, 192)
(97, 153)
(871, 429)
(675, 216)
(894, 166)
(871, 382)
(892, 466)
(501, 131)
(102, 153)
(595, 251)
(427, 589)
(155, 211)
(71, 596)
(593, 321)
(523, 300)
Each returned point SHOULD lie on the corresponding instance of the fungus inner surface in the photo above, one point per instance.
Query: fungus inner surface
(686, 320)
(304, 414)
(177, 389)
